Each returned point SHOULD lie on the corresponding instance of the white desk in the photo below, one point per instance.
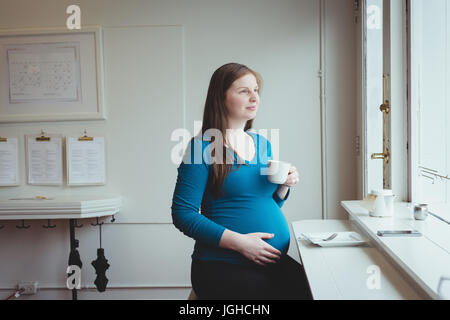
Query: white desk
(423, 259)
(336, 273)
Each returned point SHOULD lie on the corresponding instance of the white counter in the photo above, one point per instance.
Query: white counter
(345, 273)
(424, 259)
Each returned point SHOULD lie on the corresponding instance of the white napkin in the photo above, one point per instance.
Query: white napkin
(342, 237)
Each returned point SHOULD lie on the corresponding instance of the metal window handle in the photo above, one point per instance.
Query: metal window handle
(385, 107)
(386, 155)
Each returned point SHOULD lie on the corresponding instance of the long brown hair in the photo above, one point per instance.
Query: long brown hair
(215, 116)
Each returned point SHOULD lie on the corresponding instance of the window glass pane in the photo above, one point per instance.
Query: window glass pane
(430, 102)
(374, 91)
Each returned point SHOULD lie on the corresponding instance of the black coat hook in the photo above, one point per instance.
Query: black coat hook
(113, 219)
(48, 226)
(97, 224)
(23, 226)
(76, 225)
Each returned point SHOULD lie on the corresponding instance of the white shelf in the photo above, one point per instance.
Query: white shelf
(63, 207)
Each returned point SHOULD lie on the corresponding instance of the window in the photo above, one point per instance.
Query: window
(373, 82)
(430, 104)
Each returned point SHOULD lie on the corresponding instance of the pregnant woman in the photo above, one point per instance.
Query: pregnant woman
(241, 234)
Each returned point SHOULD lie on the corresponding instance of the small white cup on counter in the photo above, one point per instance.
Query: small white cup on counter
(420, 211)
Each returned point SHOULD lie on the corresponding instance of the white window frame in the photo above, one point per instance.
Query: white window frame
(399, 102)
(413, 119)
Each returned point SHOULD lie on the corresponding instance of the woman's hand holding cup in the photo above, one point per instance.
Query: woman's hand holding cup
(282, 173)
(292, 178)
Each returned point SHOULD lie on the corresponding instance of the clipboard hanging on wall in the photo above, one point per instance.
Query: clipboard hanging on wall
(85, 160)
(9, 162)
(44, 159)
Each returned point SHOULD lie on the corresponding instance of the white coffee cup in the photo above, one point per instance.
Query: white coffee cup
(277, 171)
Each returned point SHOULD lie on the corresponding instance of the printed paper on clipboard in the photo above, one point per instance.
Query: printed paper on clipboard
(86, 161)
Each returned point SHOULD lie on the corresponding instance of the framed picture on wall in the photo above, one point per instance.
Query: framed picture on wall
(51, 74)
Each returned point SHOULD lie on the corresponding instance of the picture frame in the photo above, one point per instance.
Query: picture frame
(51, 74)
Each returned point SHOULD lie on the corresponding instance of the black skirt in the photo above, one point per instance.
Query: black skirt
(218, 280)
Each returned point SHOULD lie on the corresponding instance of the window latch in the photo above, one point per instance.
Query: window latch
(385, 155)
(385, 107)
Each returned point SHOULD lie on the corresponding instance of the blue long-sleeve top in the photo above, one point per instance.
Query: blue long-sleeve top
(249, 202)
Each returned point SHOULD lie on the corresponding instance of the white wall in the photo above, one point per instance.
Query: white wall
(341, 110)
(280, 39)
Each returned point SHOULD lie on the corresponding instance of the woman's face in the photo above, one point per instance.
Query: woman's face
(242, 98)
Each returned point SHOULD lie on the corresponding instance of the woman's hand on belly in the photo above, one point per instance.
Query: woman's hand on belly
(257, 250)
(252, 246)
